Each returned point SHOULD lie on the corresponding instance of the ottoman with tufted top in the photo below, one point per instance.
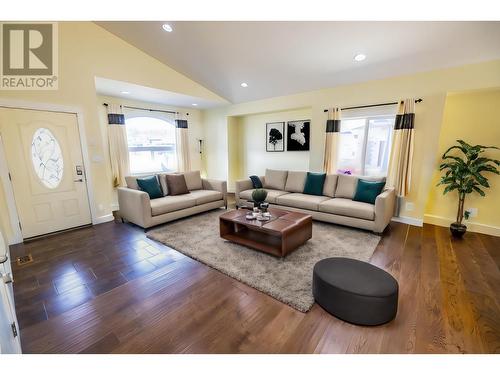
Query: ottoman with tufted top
(355, 291)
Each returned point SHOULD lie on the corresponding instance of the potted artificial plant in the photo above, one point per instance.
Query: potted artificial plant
(259, 196)
(463, 173)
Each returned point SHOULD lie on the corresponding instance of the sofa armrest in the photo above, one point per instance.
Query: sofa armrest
(134, 206)
(217, 185)
(385, 205)
(242, 185)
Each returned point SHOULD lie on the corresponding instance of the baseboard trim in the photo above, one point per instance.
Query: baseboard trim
(103, 219)
(471, 226)
(408, 220)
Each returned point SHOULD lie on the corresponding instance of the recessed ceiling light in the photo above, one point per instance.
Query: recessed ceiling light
(194, 104)
(167, 27)
(125, 92)
(359, 57)
(244, 84)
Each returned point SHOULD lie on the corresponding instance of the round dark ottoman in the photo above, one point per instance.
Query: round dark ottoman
(355, 291)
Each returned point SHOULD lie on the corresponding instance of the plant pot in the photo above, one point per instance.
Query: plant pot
(457, 230)
(257, 204)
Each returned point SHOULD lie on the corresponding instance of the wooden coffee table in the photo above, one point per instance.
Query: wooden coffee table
(279, 236)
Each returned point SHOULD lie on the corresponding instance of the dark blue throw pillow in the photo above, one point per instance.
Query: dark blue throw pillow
(256, 182)
(367, 191)
(314, 183)
(151, 186)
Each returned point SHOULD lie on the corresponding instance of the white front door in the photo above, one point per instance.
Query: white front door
(45, 163)
(9, 331)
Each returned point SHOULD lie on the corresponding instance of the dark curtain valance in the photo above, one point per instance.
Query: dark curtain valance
(404, 121)
(332, 126)
(181, 124)
(116, 119)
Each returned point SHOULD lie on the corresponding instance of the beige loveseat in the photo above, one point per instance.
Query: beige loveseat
(334, 206)
(204, 195)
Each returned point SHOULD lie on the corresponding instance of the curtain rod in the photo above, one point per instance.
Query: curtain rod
(147, 109)
(373, 105)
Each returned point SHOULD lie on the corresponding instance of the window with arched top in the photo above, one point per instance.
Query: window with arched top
(151, 145)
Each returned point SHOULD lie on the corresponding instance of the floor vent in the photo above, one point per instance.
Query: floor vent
(25, 259)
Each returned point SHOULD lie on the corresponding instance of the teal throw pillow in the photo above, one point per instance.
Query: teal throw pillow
(367, 191)
(314, 183)
(150, 185)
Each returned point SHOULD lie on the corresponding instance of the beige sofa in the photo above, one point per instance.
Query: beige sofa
(334, 206)
(204, 195)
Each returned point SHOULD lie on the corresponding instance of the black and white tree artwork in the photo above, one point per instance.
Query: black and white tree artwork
(275, 136)
(298, 135)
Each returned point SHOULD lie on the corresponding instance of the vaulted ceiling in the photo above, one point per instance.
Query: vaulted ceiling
(281, 58)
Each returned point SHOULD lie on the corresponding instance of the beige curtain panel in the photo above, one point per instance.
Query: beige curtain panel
(118, 146)
(332, 140)
(182, 145)
(401, 159)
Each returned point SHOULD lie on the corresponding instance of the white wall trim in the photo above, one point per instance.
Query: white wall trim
(103, 219)
(408, 220)
(48, 107)
(17, 236)
(471, 225)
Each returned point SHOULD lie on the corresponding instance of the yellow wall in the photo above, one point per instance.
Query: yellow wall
(431, 86)
(474, 118)
(87, 51)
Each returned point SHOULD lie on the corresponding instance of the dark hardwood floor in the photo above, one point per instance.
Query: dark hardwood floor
(109, 289)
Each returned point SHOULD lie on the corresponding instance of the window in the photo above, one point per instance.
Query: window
(365, 145)
(151, 145)
(47, 158)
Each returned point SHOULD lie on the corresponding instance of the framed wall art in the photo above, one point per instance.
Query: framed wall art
(275, 136)
(297, 138)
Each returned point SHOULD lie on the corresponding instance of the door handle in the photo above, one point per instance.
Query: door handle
(78, 180)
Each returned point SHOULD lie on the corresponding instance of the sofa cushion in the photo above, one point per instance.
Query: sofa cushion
(348, 207)
(346, 186)
(176, 184)
(206, 196)
(295, 181)
(271, 194)
(314, 183)
(150, 185)
(275, 179)
(367, 191)
(162, 177)
(171, 203)
(299, 200)
(330, 185)
(193, 180)
(132, 182)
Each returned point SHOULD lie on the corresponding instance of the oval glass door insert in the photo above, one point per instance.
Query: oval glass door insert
(47, 158)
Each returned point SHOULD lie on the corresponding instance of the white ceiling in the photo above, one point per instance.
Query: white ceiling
(126, 90)
(281, 58)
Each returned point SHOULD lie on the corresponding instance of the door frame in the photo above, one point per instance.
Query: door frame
(4, 173)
